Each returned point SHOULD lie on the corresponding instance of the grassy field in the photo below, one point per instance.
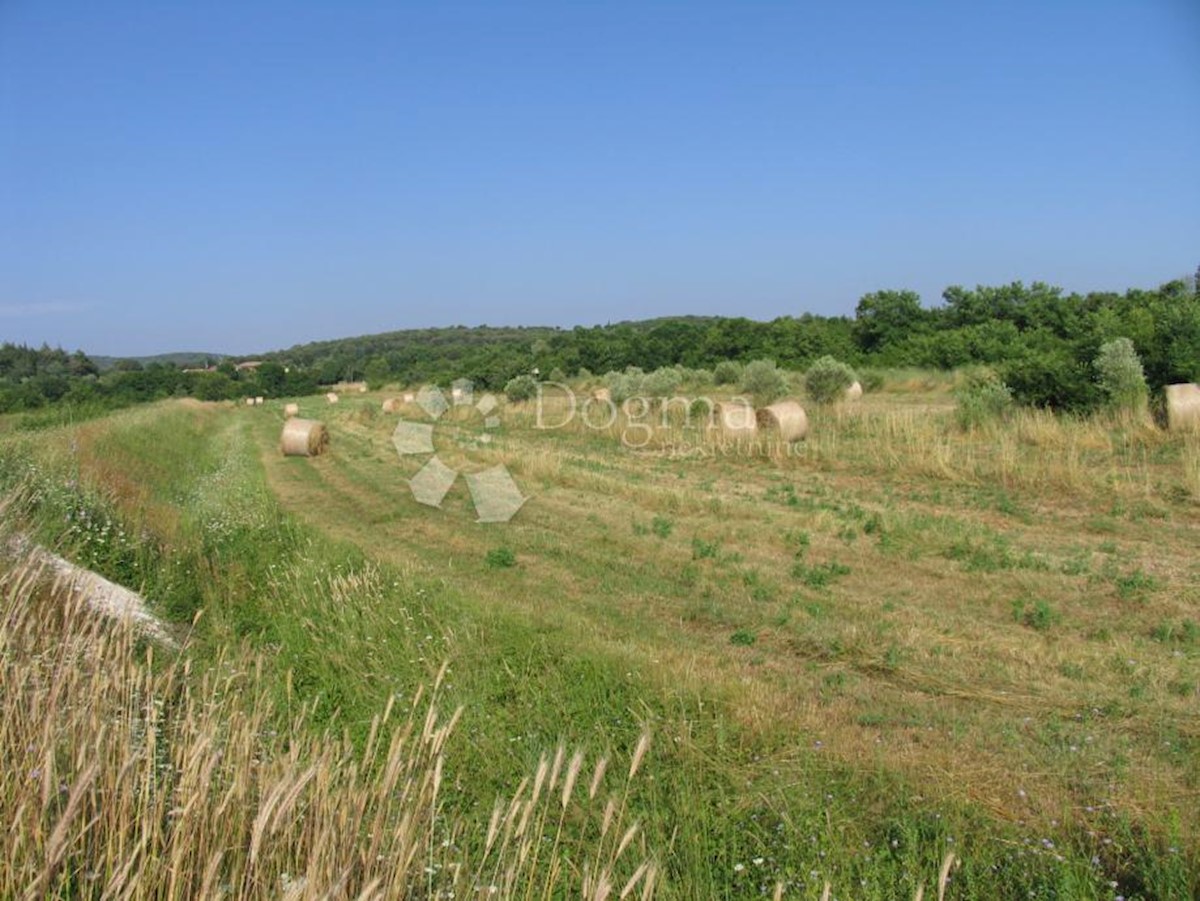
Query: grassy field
(893, 642)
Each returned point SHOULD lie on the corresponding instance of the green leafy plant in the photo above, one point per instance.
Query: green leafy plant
(763, 380)
(982, 398)
(523, 387)
(827, 380)
(1122, 379)
(1035, 613)
(501, 558)
(727, 372)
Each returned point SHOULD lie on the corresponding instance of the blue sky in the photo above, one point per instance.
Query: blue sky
(241, 176)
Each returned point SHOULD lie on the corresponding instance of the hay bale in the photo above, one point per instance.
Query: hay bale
(249, 401)
(409, 398)
(854, 392)
(736, 419)
(331, 397)
(258, 401)
(291, 410)
(1183, 407)
(303, 438)
(787, 418)
(602, 394)
(391, 405)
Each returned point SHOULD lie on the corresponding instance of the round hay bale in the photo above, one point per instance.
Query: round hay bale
(1183, 407)
(303, 438)
(291, 410)
(603, 394)
(258, 401)
(331, 397)
(787, 417)
(391, 405)
(854, 392)
(736, 419)
(409, 398)
(249, 401)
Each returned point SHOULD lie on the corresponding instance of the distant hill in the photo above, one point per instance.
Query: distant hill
(185, 359)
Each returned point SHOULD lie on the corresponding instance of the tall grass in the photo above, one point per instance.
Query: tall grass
(130, 776)
(346, 630)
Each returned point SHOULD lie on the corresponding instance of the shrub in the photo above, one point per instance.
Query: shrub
(871, 380)
(557, 375)
(523, 387)
(827, 380)
(763, 380)
(727, 372)
(1051, 378)
(1122, 379)
(982, 397)
(662, 382)
(627, 384)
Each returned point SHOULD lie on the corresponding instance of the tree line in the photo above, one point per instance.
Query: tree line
(1039, 340)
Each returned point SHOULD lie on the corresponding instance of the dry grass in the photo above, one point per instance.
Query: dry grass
(911, 664)
(130, 776)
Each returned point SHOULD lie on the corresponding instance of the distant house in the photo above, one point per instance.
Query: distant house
(203, 369)
(248, 364)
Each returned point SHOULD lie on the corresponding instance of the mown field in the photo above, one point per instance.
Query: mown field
(894, 642)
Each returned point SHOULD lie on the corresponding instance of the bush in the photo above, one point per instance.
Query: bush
(727, 372)
(1051, 378)
(523, 387)
(827, 380)
(627, 384)
(764, 381)
(871, 381)
(557, 375)
(982, 397)
(662, 382)
(1122, 379)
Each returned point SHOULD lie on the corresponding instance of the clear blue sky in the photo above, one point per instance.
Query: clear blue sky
(239, 176)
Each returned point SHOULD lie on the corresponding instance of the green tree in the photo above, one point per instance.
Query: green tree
(886, 318)
(377, 372)
(272, 379)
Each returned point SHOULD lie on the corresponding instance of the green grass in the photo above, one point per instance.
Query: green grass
(856, 737)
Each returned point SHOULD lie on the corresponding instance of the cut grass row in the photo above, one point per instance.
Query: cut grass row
(360, 595)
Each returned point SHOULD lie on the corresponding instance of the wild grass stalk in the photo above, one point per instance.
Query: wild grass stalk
(138, 777)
